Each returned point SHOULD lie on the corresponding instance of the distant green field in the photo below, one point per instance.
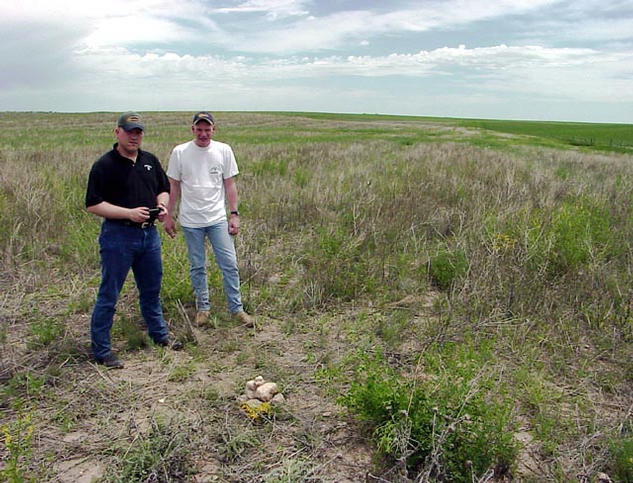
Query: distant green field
(616, 137)
(610, 137)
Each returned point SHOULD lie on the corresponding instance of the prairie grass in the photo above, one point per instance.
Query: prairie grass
(462, 268)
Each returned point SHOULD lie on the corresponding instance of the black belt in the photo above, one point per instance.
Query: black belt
(145, 224)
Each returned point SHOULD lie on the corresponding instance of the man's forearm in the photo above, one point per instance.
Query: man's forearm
(163, 199)
(108, 210)
(230, 192)
(174, 195)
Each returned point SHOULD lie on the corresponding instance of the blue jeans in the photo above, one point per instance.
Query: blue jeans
(124, 247)
(225, 257)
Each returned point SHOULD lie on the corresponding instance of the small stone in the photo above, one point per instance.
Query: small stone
(278, 399)
(266, 391)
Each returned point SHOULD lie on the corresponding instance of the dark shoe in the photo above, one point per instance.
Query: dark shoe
(111, 362)
(166, 342)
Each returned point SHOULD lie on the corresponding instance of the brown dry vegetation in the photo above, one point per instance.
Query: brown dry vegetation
(344, 225)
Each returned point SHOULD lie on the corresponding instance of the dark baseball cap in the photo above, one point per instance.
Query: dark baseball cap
(203, 116)
(131, 120)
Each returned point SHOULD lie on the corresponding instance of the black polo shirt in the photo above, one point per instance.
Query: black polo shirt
(117, 180)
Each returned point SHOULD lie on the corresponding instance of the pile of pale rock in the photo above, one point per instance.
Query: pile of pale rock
(258, 391)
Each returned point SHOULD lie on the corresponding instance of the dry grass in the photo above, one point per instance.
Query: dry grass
(344, 222)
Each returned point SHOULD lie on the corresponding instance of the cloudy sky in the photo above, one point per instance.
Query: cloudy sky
(503, 59)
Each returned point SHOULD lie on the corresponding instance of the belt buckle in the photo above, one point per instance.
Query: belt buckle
(146, 224)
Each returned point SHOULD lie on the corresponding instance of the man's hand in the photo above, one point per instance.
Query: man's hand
(139, 214)
(163, 213)
(234, 224)
(170, 226)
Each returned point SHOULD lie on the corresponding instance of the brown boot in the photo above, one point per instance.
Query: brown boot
(202, 317)
(244, 319)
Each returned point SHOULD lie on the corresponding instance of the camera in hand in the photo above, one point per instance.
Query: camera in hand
(153, 214)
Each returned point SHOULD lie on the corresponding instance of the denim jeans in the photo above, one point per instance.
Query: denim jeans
(225, 257)
(124, 247)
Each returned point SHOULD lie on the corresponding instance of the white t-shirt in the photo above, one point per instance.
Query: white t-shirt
(201, 172)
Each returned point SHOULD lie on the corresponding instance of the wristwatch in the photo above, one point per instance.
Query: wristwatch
(237, 213)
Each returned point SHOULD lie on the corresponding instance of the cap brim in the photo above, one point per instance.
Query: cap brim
(130, 126)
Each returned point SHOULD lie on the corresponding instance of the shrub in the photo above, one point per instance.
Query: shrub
(446, 267)
(578, 231)
(449, 425)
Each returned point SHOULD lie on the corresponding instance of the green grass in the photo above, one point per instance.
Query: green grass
(608, 137)
(484, 267)
(452, 424)
(601, 136)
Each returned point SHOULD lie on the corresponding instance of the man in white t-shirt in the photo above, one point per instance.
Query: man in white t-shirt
(202, 174)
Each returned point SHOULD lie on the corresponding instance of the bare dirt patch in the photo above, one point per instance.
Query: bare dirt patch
(86, 417)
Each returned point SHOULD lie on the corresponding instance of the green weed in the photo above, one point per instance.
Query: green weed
(17, 438)
(447, 267)
(235, 444)
(25, 383)
(451, 425)
(579, 230)
(621, 451)
(44, 332)
(289, 471)
(338, 269)
(181, 372)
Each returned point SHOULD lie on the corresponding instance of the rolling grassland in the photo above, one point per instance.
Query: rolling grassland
(437, 299)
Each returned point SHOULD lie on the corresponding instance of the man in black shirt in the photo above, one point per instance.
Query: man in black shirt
(122, 187)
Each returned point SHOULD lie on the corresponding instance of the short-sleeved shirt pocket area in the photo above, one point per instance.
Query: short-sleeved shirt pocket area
(216, 178)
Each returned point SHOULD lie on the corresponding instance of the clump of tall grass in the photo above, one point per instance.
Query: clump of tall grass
(43, 193)
(160, 455)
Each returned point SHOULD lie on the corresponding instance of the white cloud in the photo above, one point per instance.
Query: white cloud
(336, 29)
(129, 31)
(595, 29)
(62, 53)
(160, 22)
(538, 70)
(273, 9)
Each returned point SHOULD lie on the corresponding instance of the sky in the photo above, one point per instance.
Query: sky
(496, 59)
